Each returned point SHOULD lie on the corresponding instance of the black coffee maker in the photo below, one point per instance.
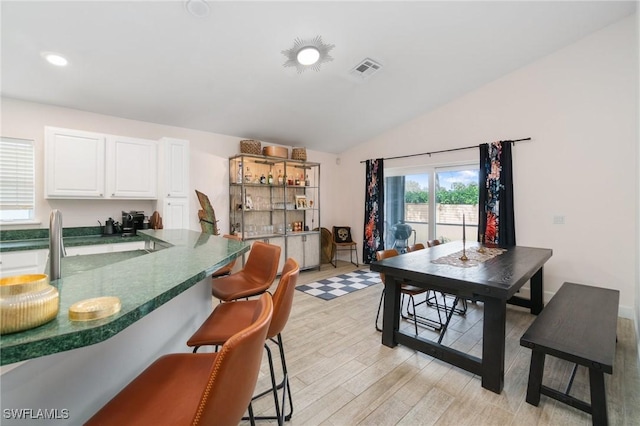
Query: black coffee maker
(131, 221)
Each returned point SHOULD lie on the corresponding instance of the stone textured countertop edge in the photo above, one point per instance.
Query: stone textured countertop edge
(143, 283)
(69, 241)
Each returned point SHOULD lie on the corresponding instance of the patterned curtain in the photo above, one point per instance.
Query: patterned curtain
(496, 213)
(373, 211)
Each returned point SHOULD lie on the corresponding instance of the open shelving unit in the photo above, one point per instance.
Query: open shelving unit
(277, 200)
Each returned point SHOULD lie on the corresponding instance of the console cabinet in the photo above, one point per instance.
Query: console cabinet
(278, 201)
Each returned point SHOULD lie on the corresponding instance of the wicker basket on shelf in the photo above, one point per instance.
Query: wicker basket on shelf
(299, 154)
(250, 146)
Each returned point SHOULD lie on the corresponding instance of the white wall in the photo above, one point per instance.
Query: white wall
(208, 162)
(579, 106)
(637, 320)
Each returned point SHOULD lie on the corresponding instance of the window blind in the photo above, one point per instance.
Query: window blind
(17, 175)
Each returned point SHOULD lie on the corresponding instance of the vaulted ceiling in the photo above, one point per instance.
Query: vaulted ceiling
(153, 61)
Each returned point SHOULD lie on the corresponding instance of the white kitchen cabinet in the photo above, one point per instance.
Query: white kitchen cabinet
(175, 213)
(176, 167)
(131, 168)
(74, 164)
(23, 262)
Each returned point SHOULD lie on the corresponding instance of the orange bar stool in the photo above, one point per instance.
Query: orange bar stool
(226, 269)
(255, 278)
(181, 389)
(227, 318)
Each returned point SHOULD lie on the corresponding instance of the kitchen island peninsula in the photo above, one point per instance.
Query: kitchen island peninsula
(66, 370)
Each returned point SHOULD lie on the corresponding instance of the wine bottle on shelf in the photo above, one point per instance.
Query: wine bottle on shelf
(270, 178)
(239, 176)
(280, 177)
(297, 181)
(248, 175)
(307, 182)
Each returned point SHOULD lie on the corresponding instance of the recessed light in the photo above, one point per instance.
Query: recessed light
(197, 8)
(55, 59)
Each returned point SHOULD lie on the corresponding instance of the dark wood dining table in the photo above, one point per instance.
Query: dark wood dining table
(493, 282)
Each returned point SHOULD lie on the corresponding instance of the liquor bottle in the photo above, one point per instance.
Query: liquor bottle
(248, 175)
(239, 177)
(307, 182)
(280, 177)
(270, 178)
(297, 181)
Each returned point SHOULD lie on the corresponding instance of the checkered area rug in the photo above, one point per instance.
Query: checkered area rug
(340, 285)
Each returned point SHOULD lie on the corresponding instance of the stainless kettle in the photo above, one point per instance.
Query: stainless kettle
(109, 227)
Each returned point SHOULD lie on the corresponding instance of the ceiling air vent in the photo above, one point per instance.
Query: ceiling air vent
(366, 69)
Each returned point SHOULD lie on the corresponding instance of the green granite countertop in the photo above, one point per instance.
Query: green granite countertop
(142, 282)
(69, 241)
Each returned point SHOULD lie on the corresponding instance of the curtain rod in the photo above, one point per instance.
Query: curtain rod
(444, 150)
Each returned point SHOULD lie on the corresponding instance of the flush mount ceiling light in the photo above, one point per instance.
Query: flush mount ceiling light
(197, 8)
(55, 59)
(307, 54)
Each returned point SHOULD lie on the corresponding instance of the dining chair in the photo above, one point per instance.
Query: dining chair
(255, 278)
(194, 389)
(411, 291)
(431, 298)
(227, 318)
(342, 241)
(226, 269)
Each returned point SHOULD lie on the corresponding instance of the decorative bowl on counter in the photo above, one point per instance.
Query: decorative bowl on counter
(26, 301)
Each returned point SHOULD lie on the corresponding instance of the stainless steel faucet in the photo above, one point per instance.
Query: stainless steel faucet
(56, 245)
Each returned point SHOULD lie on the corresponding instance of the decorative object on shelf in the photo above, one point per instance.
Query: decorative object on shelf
(299, 154)
(250, 146)
(207, 216)
(93, 309)
(248, 202)
(301, 202)
(310, 53)
(276, 151)
(26, 301)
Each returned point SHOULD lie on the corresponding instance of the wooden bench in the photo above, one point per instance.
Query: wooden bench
(578, 325)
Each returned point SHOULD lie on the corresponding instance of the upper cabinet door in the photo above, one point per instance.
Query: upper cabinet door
(176, 167)
(132, 168)
(74, 163)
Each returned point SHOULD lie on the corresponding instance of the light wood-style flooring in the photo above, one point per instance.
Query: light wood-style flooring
(341, 374)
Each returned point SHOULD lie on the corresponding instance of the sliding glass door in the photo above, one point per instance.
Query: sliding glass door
(432, 202)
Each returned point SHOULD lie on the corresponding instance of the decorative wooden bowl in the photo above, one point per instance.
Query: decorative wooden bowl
(26, 301)
(276, 151)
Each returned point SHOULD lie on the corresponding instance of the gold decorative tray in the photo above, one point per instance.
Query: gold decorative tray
(93, 309)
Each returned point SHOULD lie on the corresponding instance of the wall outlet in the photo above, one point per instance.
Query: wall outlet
(558, 220)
